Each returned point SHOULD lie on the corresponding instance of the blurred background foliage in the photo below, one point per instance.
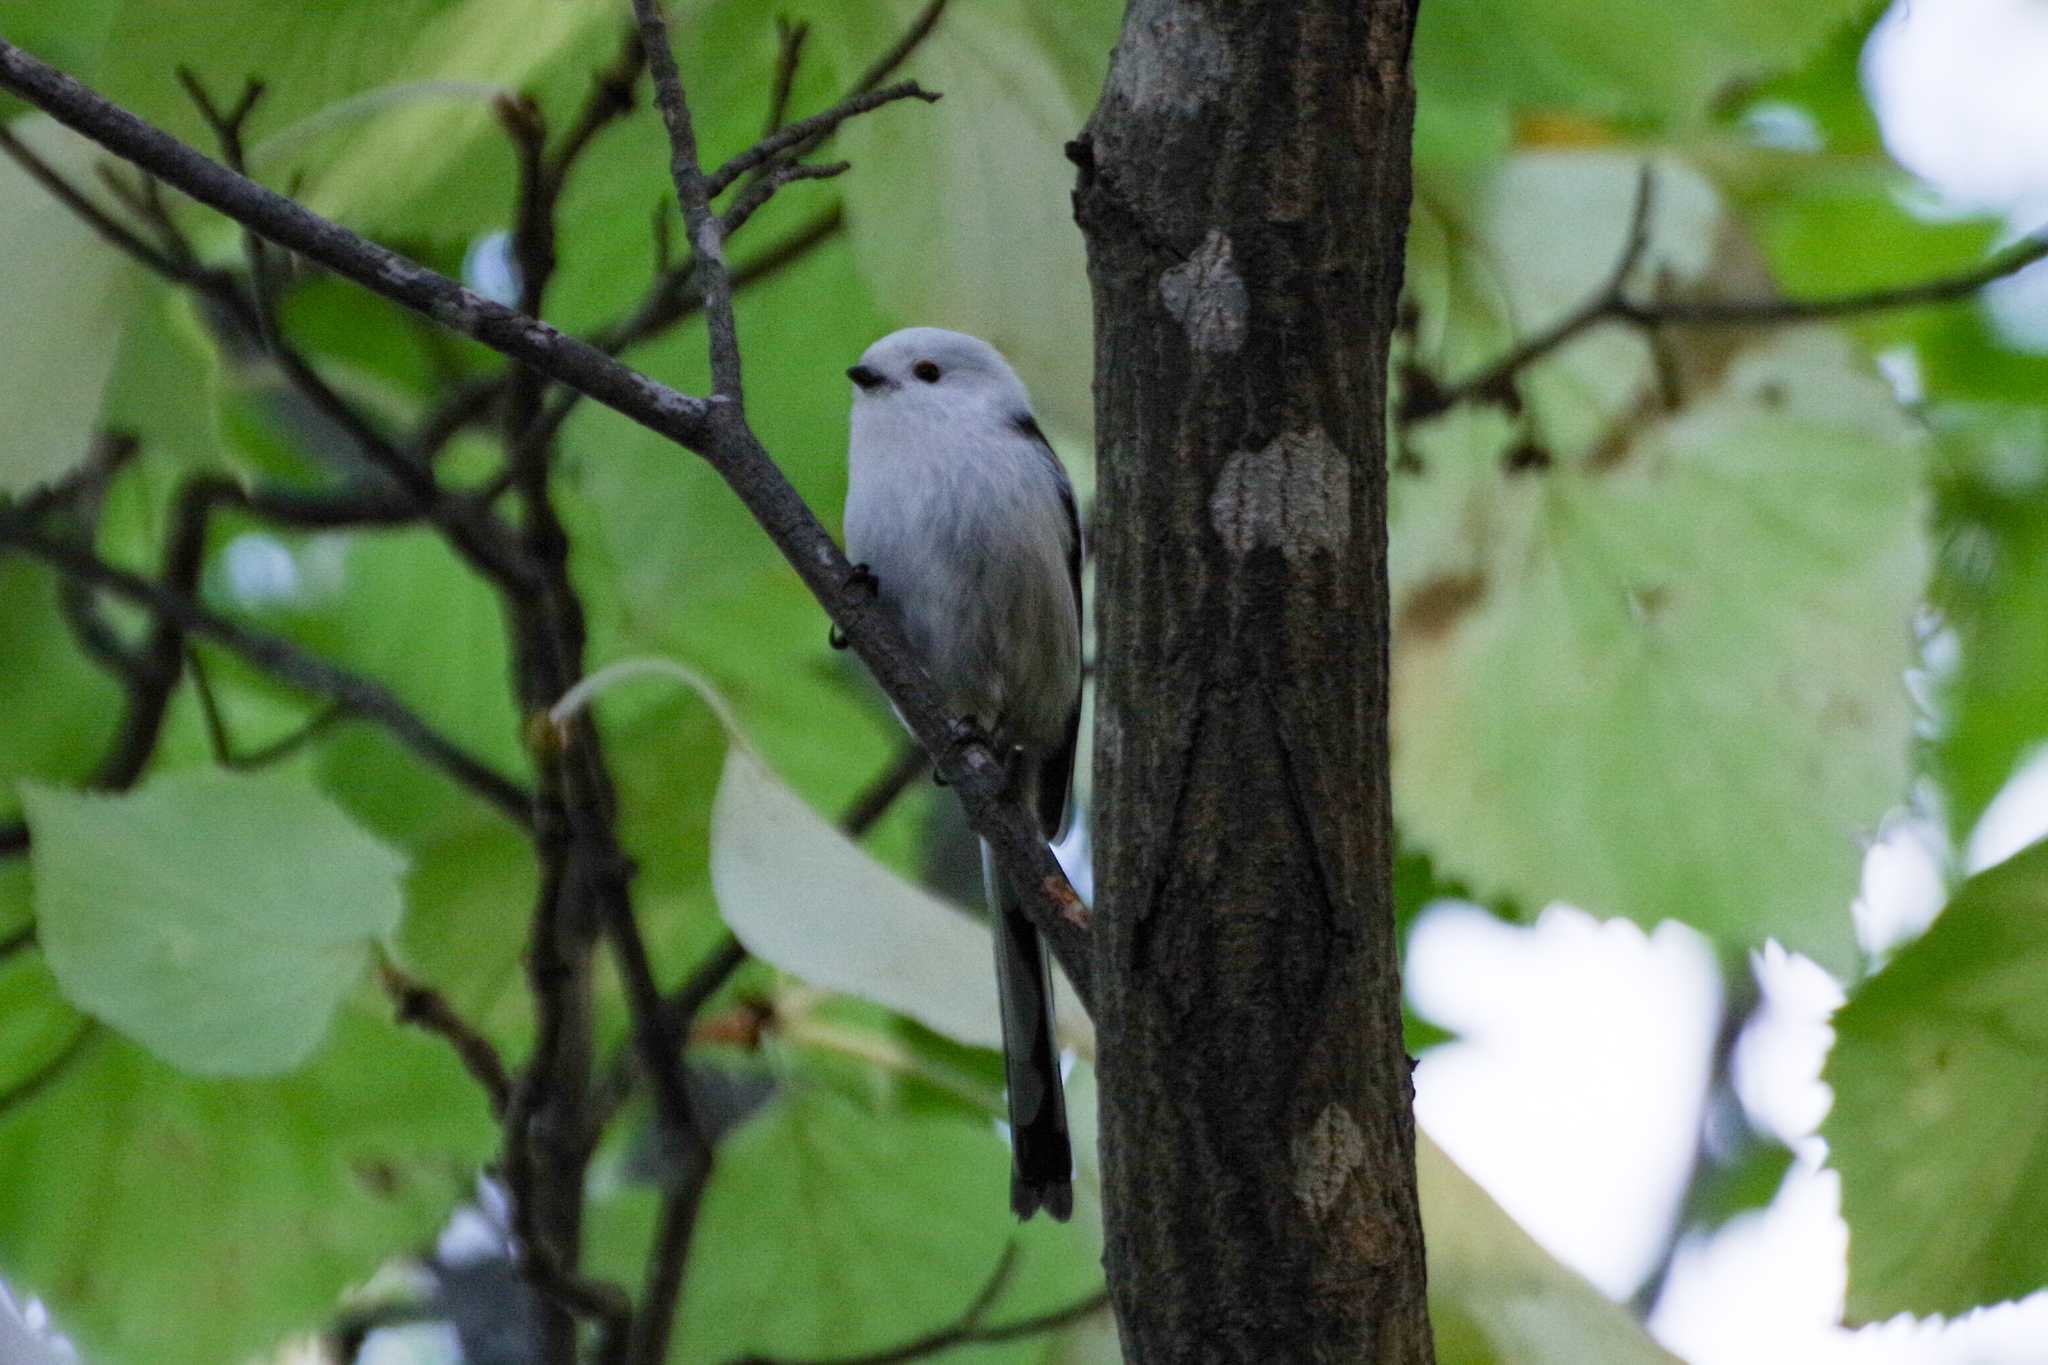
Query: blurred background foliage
(1658, 597)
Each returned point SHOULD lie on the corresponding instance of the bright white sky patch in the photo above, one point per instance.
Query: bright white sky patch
(1573, 1092)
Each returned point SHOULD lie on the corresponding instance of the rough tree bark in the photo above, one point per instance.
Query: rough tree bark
(1244, 190)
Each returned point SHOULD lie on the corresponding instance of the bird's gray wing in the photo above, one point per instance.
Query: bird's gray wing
(1056, 770)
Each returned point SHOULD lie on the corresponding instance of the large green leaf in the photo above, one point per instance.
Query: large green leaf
(1992, 590)
(382, 109)
(1613, 58)
(177, 1221)
(884, 1224)
(401, 608)
(792, 887)
(37, 1027)
(69, 34)
(1649, 662)
(69, 295)
(469, 903)
(959, 212)
(58, 710)
(218, 920)
(1940, 1121)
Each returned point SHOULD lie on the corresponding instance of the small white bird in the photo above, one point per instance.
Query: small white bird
(960, 510)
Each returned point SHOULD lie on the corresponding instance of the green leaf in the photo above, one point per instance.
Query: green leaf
(58, 710)
(218, 920)
(468, 908)
(179, 1221)
(70, 35)
(784, 878)
(401, 608)
(1992, 590)
(69, 296)
(433, 128)
(1504, 1298)
(382, 108)
(1614, 59)
(1659, 673)
(162, 384)
(959, 213)
(36, 1026)
(803, 896)
(788, 885)
(1939, 1129)
(902, 1220)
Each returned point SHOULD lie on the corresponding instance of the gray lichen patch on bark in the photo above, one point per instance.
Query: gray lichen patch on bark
(1207, 295)
(1170, 59)
(1325, 1157)
(1293, 494)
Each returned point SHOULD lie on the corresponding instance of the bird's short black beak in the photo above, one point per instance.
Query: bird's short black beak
(868, 380)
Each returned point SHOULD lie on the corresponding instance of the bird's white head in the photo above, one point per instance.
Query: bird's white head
(929, 374)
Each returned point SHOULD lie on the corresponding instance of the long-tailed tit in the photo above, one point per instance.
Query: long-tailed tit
(963, 515)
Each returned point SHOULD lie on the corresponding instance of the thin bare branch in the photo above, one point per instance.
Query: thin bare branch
(901, 51)
(717, 967)
(1612, 303)
(804, 132)
(1775, 312)
(610, 99)
(225, 751)
(676, 1225)
(109, 453)
(1493, 383)
(789, 54)
(600, 1302)
(467, 527)
(762, 188)
(284, 661)
(969, 1329)
(671, 299)
(694, 194)
(145, 199)
(149, 672)
(671, 1251)
(422, 1006)
(90, 213)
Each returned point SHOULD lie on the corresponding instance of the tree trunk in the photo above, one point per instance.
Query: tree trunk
(1244, 192)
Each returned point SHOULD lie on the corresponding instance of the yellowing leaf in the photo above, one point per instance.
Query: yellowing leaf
(1667, 684)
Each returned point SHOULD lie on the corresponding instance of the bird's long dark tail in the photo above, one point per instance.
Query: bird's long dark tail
(1042, 1170)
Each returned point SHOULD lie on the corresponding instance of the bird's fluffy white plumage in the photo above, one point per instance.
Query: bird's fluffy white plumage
(961, 511)
(964, 515)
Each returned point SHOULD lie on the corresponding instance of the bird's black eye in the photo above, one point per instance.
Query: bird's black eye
(925, 370)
